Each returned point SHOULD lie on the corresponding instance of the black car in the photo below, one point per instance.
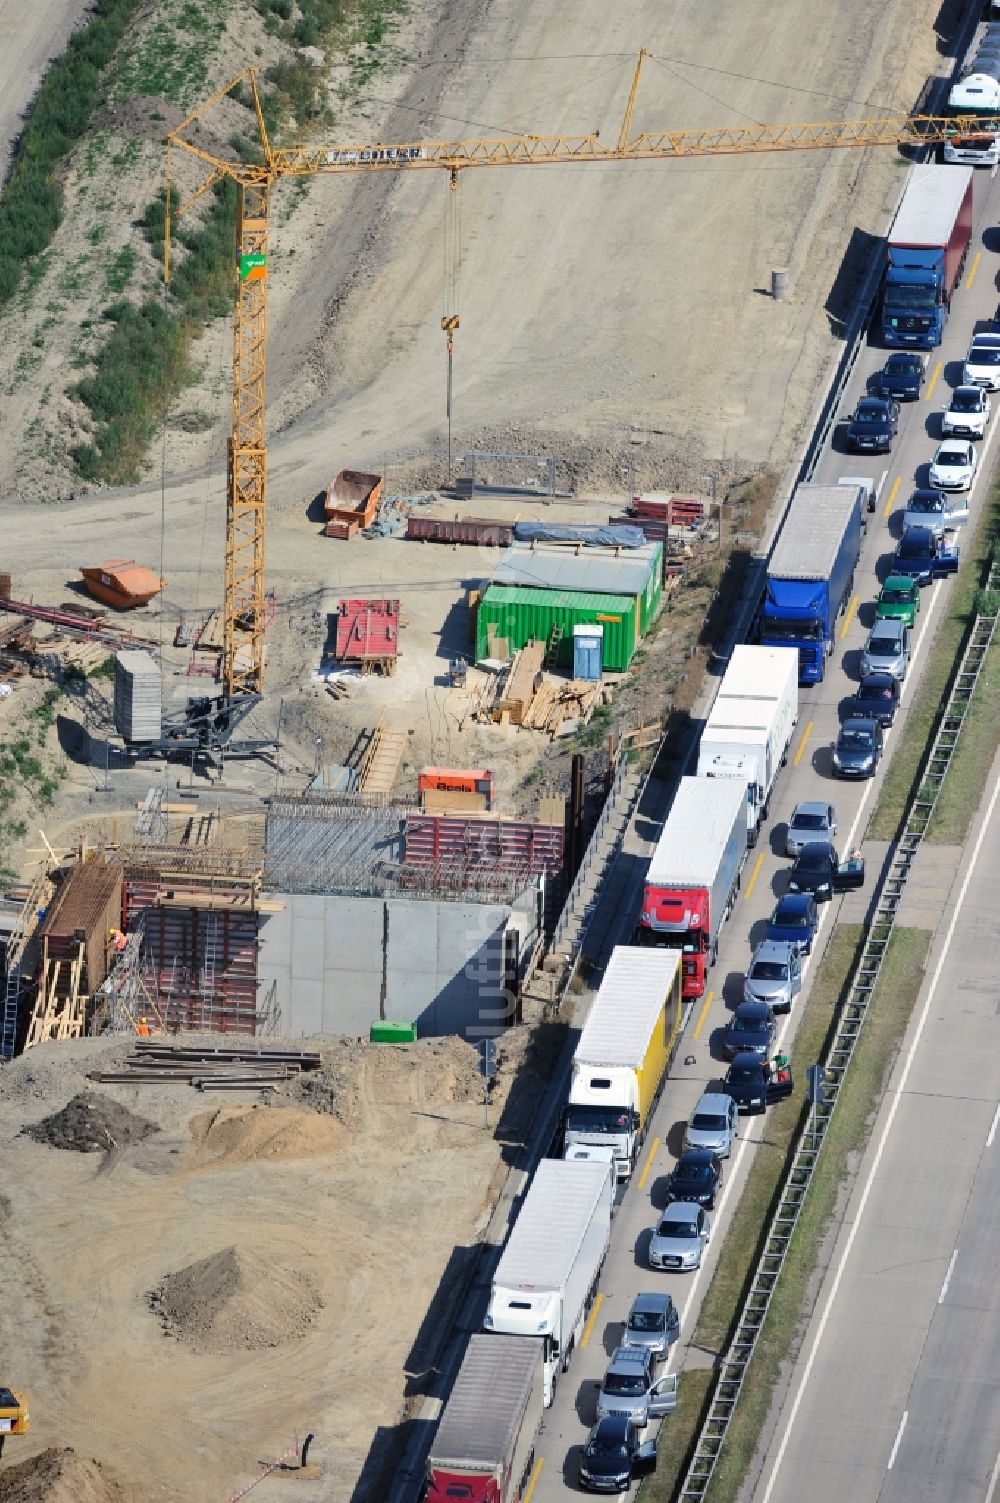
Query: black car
(615, 1455)
(696, 1177)
(750, 1030)
(902, 377)
(872, 426)
(757, 1083)
(819, 870)
(877, 698)
(857, 749)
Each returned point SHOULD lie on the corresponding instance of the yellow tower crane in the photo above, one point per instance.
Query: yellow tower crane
(246, 497)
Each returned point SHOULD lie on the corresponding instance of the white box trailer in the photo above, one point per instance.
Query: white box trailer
(485, 1443)
(547, 1275)
(749, 727)
(621, 1060)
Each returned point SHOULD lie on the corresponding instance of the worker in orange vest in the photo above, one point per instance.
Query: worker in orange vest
(143, 1029)
(118, 940)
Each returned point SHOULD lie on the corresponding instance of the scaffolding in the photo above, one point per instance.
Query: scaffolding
(18, 941)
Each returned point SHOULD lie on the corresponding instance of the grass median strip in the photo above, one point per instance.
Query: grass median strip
(913, 739)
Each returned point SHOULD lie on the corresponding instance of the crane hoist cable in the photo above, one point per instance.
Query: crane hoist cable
(452, 287)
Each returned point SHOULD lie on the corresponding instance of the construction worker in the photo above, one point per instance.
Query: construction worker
(143, 1029)
(118, 940)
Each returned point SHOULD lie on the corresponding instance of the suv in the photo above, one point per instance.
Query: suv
(631, 1390)
(653, 1323)
(887, 649)
(614, 1456)
(714, 1124)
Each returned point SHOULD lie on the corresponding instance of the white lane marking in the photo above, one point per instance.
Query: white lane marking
(899, 1436)
(993, 1481)
(990, 1136)
(947, 1277)
(883, 1139)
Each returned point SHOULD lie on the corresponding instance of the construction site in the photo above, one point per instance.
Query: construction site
(296, 803)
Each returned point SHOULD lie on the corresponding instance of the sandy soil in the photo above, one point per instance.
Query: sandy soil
(349, 1203)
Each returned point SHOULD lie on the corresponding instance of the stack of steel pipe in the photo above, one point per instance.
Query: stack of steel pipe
(211, 1068)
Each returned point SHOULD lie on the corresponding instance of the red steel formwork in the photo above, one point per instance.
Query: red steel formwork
(515, 847)
(202, 959)
(367, 631)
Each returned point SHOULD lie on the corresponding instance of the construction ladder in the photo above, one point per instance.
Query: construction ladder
(553, 646)
(732, 1365)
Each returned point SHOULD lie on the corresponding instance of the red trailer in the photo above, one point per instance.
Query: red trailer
(460, 530)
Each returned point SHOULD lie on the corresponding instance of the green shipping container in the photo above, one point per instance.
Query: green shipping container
(522, 615)
(393, 1033)
(649, 600)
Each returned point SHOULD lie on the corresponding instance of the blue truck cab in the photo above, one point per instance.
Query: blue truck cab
(810, 574)
(927, 247)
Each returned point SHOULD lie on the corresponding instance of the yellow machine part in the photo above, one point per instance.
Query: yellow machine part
(14, 1419)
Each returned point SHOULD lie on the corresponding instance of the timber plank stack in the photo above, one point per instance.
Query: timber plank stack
(209, 1069)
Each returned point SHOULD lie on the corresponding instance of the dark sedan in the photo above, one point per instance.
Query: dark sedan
(902, 376)
(857, 749)
(615, 1454)
(750, 1030)
(757, 1083)
(922, 555)
(696, 1177)
(819, 870)
(872, 426)
(795, 921)
(877, 698)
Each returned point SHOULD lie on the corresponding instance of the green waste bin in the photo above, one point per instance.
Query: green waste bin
(393, 1033)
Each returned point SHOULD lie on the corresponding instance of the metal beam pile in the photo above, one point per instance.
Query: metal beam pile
(209, 1069)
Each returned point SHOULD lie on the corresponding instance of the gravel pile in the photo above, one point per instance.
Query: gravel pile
(91, 1123)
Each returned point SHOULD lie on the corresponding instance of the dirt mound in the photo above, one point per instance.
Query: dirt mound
(90, 1123)
(356, 1075)
(57, 1477)
(233, 1300)
(234, 1135)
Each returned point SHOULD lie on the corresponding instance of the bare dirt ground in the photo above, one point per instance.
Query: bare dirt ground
(183, 1307)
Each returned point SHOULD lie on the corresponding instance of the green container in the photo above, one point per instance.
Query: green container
(652, 595)
(393, 1033)
(524, 615)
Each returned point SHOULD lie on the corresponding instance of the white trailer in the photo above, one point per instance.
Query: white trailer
(749, 727)
(547, 1275)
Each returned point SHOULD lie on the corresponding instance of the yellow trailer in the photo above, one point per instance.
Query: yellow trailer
(625, 1049)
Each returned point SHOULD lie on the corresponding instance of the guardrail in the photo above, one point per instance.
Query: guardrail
(732, 1369)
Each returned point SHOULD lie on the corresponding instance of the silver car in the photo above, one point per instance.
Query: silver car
(936, 510)
(887, 649)
(714, 1124)
(680, 1236)
(631, 1390)
(653, 1323)
(810, 821)
(774, 975)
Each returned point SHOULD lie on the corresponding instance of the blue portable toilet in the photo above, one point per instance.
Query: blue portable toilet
(588, 647)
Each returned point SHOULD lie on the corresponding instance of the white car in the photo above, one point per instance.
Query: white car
(982, 363)
(967, 413)
(953, 466)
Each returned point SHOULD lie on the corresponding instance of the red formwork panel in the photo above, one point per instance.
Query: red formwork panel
(203, 961)
(367, 629)
(506, 846)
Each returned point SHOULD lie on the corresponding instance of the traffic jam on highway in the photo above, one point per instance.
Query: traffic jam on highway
(686, 1043)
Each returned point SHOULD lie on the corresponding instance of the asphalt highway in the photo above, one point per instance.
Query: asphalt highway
(896, 1392)
(699, 1062)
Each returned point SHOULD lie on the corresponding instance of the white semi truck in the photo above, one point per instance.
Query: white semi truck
(750, 725)
(547, 1275)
